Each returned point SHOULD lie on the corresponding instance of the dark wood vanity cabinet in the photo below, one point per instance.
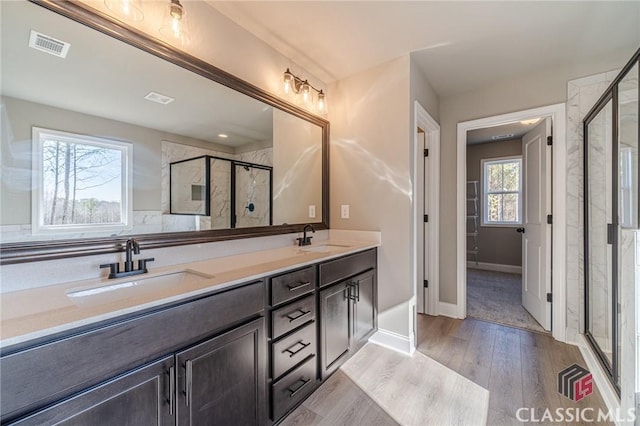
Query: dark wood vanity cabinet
(348, 308)
(221, 381)
(243, 356)
(140, 397)
(211, 368)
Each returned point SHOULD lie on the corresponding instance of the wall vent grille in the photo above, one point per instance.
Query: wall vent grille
(47, 44)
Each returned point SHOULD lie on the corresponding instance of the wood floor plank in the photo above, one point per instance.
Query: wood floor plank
(476, 365)
(505, 380)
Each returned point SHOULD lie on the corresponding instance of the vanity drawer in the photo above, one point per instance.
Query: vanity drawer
(292, 315)
(292, 284)
(291, 350)
(293, 387)
(348, 266)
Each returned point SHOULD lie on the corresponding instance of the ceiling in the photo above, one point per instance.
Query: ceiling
(459, 46)
(102, 68)
(504, 132)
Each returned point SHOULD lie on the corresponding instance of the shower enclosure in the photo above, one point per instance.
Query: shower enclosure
(611, 193)
(224, 193)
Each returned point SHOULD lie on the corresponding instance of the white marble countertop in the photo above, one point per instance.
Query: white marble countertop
(39, 312)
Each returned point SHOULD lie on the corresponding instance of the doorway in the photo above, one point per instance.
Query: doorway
(508, 196)
(556, 205)
(426, 175)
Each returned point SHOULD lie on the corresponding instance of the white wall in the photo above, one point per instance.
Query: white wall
(371, 157)
(221, 42)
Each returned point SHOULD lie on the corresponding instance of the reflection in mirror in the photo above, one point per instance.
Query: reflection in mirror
(628, 149)
(106, 89)
(599, 194)
(189, 187)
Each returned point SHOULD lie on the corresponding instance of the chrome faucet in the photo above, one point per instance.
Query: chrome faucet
(305, 241)
(131, 247)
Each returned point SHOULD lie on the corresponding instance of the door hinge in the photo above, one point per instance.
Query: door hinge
(426, 152)
(426, 283)
(549, 298)
(549, 219)
(550, 140)
(611, 233)
(426, 218)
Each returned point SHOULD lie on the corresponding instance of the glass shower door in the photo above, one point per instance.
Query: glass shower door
(600, 233)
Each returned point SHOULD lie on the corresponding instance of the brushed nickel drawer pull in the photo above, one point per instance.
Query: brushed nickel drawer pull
(299, 286)
(293, 392)
(292, 352)
(302, 314)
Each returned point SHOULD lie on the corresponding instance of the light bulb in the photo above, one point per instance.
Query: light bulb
(322, 103)
(289, 82)
(174, 24)
(306, 92)
(129, 10)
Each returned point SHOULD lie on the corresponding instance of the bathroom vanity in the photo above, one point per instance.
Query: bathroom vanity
(244, 351)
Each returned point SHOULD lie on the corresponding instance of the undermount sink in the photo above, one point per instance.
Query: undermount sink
(324, 248)
(166, 280)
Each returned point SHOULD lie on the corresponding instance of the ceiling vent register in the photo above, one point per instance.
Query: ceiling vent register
(47, 44)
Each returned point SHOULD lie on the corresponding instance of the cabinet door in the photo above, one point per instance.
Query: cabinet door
(222, 381)
(141, 397)
(335, 330)
(364, 293)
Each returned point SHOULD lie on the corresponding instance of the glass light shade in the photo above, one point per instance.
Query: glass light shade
(305, 91)
(289, 82)
(128, 10)
(174, 23)
(322, 103)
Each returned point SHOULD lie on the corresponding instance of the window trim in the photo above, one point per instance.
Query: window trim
(485, 192)
(37, 195)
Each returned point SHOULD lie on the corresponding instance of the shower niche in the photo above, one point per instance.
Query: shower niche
(223, 193)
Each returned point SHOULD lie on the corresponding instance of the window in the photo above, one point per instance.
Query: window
(502, 191)
(81, 183)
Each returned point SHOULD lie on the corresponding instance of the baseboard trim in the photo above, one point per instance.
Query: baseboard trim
(511, 269)
(609, 395)
(393, 341)
(448, 310)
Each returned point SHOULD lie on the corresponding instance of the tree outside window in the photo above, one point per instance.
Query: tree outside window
(502, 191)
(83, 182)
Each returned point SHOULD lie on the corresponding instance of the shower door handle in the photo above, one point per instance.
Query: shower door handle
(520, 230)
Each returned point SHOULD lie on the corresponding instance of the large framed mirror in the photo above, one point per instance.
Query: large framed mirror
(94, 113)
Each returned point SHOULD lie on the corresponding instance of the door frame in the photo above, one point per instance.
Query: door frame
(557, 112)
(431, 128)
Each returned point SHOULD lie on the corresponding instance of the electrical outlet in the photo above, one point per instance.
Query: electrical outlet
(312, 211)
(344, 211)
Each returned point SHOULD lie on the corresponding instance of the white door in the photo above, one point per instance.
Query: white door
(536, 248)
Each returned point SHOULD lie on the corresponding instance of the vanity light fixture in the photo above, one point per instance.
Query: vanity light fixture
(129, 10)
(174, 23)
(294, 84)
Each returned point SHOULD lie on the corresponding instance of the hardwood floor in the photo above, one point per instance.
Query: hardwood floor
(518, 368)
